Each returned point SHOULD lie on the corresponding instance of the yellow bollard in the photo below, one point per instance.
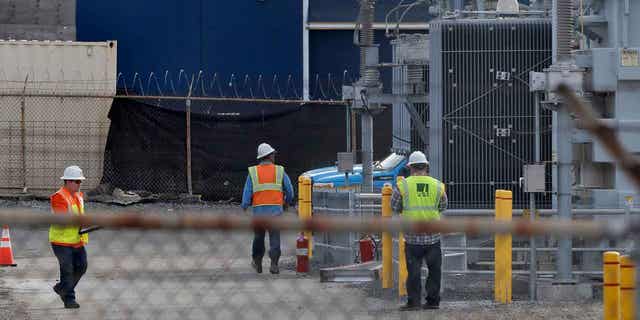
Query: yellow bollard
(387, 242)
(301, 208)
(402, 267)
(402, 260)
(611, 285)
(627, 288)
(502, 251)
(304, 206)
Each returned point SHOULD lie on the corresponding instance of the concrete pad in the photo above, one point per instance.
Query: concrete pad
(564, 292)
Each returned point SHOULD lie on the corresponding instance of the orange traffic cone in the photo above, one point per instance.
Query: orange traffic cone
(6, 255)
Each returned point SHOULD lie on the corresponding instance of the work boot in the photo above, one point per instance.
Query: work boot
(72, 304)
(410, 307)
(256, 263)
(274, 265)
(430, 306)
(58, 290)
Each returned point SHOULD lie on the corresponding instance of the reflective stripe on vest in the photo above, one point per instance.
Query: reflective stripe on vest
(421, 197)
(266, 181)
(69, 234)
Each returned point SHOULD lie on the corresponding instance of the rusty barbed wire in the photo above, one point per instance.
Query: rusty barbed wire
(233, 86)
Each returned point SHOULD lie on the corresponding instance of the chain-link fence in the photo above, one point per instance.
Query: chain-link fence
(42, 134)
(137, 148)
(167, 275)
(200, 273)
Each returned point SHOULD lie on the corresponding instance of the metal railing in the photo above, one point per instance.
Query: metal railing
(355, 204)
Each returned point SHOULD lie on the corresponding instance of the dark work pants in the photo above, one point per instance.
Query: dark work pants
(415, 255)
(73, 264)
(258, 244)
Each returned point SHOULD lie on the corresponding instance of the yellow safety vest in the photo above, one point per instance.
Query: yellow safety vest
(421, 197)
(69, 234)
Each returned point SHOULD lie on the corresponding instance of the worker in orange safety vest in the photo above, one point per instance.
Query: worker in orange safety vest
(66, 241)
(268, 190)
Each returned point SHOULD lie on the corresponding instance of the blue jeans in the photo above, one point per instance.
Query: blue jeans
(416, 254)
(258, 244)
(73, 264)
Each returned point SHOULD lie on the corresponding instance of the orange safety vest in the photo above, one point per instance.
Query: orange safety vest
(266, 180)
(68, 235)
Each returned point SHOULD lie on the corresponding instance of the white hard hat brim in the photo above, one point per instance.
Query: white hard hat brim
(73, 178)
(265, 155)
(418, 162)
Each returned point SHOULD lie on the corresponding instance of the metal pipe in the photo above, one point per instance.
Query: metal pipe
(585, 213)
(367, 151)
(369, 196)
(615, 124)
(525, 249)
(625, 24)
(348, 126)
(369, 78)
(530, 12)
(562, 36)
(201, 221)
(565, 158)
(533, 277)
(354, 140)
(188, 140)
(523, 272)
(305, 50)
(541, 212)
(369, 206)
(23, 135)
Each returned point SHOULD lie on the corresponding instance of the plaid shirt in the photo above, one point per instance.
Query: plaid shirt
(418, 238)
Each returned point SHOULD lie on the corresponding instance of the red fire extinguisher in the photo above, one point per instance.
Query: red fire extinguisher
(302, 254)
(367, 249)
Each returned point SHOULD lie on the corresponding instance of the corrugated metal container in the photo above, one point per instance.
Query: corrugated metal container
(482, 130)
(65, 90)
(58, 67)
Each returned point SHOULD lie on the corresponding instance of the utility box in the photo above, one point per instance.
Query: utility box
(345, 161)
(534, 178)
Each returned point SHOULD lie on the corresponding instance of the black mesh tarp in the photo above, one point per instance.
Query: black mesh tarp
(146, 147)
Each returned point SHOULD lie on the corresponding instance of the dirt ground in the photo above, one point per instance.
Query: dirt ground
(206, 275)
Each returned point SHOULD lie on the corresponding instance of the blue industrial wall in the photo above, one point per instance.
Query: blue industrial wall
(242, 37)
(347, 11)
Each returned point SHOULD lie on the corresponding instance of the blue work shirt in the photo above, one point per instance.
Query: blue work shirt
(247, 196)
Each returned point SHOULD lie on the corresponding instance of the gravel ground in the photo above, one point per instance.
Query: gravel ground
(206, 275)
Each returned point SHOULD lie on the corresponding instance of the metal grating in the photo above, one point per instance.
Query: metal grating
(484, 128)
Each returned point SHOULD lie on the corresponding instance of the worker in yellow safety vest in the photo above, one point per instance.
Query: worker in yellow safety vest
(268, 191)
(420, 197)
(66, 241)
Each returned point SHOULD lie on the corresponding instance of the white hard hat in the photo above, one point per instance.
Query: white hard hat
(264, 149)
(73, 173)
(507, 6)
(417, 157)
